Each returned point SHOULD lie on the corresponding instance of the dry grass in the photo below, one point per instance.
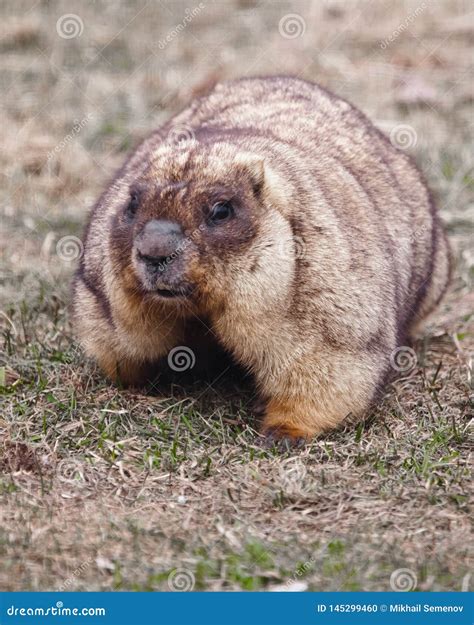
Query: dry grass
(101, 488)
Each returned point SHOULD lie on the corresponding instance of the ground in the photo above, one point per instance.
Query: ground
(102, 488)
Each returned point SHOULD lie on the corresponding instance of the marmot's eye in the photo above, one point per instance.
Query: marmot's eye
(220, 212)
(132, 205)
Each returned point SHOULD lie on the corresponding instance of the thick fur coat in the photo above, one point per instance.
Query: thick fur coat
(326, 256)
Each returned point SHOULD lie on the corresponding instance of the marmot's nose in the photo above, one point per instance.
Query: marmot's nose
(159, 241)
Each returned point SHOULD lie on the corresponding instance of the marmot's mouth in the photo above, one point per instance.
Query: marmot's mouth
(168, 294)
(183, 291)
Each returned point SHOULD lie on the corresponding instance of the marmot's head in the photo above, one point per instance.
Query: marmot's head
(203, 224)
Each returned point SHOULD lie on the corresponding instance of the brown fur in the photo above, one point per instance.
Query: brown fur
(312, 284)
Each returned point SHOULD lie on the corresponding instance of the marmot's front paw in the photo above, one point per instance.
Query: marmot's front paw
(288, 423)
(278, 437)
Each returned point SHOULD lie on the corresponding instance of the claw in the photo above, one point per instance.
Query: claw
(283, 440)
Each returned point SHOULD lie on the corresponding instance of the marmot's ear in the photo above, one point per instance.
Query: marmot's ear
(254, 166)
(266, 181)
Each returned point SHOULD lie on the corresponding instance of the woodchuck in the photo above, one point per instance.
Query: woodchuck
(271, 216)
